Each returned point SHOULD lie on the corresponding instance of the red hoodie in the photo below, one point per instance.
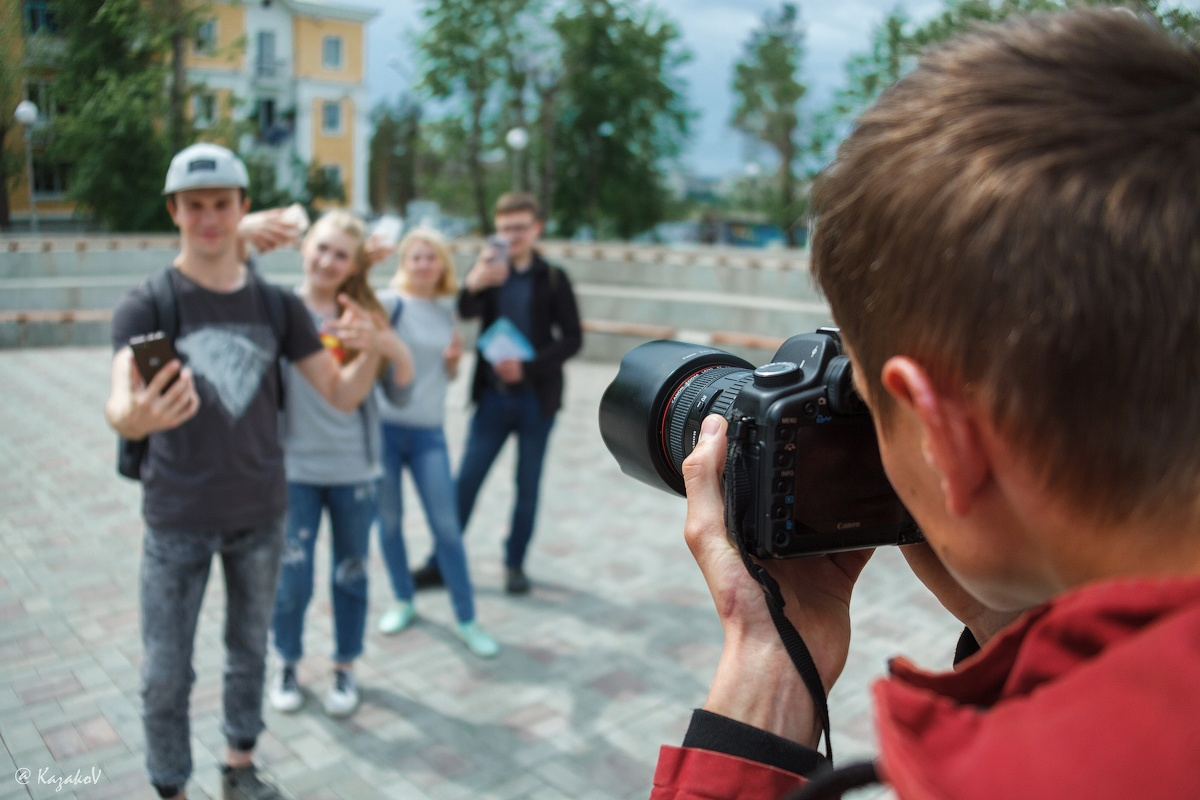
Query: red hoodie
(1093, 695)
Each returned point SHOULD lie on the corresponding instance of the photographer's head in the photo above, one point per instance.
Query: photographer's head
(1018, 219)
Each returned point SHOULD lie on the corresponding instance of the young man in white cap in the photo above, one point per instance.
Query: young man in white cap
(212, 474)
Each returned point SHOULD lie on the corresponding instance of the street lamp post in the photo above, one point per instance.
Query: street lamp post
(27, 114)
(518, 139)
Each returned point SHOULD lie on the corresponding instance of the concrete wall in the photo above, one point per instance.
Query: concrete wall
(58, 291)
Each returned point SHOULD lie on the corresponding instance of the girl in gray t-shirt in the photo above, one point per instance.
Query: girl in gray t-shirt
(413, 436)
(332, 461)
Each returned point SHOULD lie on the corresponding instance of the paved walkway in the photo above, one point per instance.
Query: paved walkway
(601, 664)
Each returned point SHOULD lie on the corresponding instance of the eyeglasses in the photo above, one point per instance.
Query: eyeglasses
(507, 229)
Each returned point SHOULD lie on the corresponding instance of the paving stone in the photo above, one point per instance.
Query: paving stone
(601, 663)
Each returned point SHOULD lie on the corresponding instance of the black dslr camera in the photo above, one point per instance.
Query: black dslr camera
(802, 473)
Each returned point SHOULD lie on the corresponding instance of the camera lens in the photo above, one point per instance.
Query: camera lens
(650, 415)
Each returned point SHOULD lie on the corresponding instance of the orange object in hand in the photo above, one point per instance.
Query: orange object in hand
(334, 345)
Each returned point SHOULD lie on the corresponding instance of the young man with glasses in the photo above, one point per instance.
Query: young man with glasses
(514, 396)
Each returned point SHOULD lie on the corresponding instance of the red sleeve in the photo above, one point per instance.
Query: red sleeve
(685, 773)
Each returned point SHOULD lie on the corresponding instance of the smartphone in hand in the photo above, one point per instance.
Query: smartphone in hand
(499, 250)
(152, 352)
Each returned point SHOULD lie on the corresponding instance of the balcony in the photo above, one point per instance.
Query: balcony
(269, 71)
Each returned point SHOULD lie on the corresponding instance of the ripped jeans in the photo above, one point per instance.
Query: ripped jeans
(352, 509)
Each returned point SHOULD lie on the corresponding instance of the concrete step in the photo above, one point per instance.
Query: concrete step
(702, 311)
(779, 279)
(676, 308)
(742, 301)
(775, 273)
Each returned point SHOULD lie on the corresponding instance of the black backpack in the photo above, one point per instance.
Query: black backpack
(130, 454)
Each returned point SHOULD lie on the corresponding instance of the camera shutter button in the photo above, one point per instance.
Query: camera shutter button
(775, 374)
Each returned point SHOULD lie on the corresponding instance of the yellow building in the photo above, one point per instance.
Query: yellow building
(295, 70)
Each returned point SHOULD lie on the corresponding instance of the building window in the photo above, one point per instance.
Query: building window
(206, 38)
(40, 94)
(267, 64)
(50, 179)
(331, 52)
(204, 110)
(331, 118)
(38, 16)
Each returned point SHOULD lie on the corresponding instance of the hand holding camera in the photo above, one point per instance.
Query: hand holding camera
(755, 663)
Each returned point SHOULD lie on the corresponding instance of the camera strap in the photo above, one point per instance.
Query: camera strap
(793, 642)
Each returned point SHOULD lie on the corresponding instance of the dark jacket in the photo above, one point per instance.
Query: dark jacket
(556, 335)
(1092, 695)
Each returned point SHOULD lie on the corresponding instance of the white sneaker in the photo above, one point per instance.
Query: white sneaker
(477, 640)
(285, 690)
(343, 697)
(397, 618)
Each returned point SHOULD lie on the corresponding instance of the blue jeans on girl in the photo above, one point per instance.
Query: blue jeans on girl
(423, 451)
(352, 509)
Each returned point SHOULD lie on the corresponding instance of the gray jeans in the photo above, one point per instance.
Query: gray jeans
(175, 567)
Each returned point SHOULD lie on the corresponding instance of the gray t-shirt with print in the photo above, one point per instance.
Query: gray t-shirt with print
(223, 468)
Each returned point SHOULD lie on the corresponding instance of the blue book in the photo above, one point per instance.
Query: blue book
(503, 340)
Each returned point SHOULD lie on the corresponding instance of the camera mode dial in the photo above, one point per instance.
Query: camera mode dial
(776, 374)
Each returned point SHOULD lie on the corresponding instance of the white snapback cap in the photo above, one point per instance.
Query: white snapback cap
(205, 166)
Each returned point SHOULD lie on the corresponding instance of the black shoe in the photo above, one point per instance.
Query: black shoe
(243, 783)
(515, 581)
(428, 577)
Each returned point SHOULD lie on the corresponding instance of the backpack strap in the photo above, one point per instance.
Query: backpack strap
(166, 306)
(276, 309)
(277, 316)
(395, 315)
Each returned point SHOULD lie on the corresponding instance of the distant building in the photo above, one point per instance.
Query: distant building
(295, 70)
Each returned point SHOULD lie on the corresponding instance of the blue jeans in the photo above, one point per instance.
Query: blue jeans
(351, 512)
(498, 415)
(424, 451)
(175, 567)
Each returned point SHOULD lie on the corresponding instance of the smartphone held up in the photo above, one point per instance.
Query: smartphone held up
(152, 352)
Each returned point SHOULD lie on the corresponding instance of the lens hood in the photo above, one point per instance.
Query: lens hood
(633, 408)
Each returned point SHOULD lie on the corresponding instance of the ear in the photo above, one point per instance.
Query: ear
(950, 436)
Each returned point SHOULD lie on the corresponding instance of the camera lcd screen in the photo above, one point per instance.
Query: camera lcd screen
(840, 485)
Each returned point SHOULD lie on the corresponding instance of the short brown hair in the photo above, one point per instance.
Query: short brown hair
(1019, 214)
(516, 202)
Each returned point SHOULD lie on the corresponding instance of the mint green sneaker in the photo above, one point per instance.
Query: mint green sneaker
(397, 618)
(477, 640)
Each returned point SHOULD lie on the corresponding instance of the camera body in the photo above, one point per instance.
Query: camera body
(803, 474)
(804, 459)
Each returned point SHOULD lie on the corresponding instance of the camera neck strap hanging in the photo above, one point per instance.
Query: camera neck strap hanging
(736, 501)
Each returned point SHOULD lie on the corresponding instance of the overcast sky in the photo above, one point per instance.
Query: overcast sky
(714, 31)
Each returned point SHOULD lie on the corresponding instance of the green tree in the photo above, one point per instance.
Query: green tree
(109, 89)
(895, 43)
(11, 148)
(768, 89)
(393, 157)
(622, 116)
(463, 54)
